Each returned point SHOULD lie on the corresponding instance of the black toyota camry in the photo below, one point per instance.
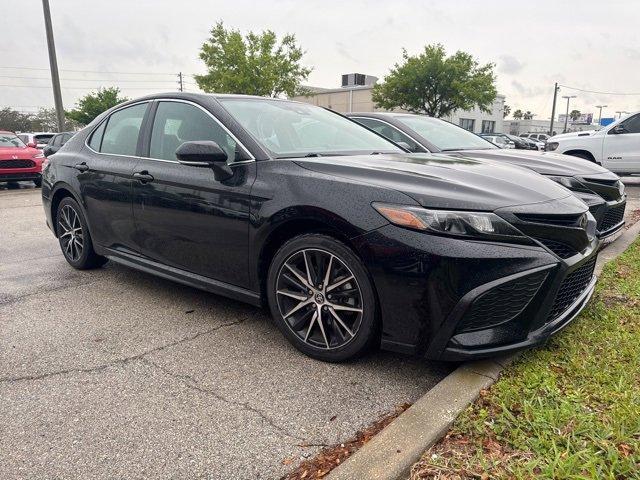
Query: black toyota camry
(599, 188)
(350, 241)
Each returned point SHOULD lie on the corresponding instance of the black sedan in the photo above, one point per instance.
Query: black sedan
(600, 189)
(349, 240)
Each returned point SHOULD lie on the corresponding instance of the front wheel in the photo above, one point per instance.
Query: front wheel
(322, 299)
(74, 237)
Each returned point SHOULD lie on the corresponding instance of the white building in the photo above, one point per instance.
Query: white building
(355, 96)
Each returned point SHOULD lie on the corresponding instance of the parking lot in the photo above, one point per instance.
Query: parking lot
(112, 373)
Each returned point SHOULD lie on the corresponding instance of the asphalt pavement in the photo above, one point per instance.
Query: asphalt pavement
(113, 373)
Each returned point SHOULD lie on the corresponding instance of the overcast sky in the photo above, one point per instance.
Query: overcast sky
(593, 45)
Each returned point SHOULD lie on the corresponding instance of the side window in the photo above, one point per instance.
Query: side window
(632, 124)
(121, 133)
(65, 138)
(96, 137)
(176, 123)
(56, 141)
(391, 133)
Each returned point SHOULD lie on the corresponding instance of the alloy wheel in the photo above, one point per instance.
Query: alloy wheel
(71, 234)
(319, 298)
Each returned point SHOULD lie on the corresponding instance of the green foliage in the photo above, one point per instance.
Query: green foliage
(14, 121)
(506, 110)
(256, 64)
(43, 121)
(47, 121)
(517, 115)
(93, 104)
(437, 85)
(574, 115)
(528, 115)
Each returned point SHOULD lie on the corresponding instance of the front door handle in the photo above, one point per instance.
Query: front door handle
(143, 176)
(82, 167)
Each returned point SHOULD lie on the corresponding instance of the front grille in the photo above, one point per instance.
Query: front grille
(612, 217)
(560, 249)
(17, 164)
(559, 220)
(502, 303)
(572, 287)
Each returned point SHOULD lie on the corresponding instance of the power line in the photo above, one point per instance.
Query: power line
(87, 79)
(83, 88)
(594, 91)
(92, 71)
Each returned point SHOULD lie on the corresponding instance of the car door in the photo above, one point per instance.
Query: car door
(621, 148)
(184, 217)
(104, 173)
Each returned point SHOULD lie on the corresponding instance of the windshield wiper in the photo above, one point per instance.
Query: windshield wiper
(312, 155)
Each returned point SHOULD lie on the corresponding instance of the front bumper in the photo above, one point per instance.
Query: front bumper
(611, 218)
(452, 299)
(19, 176)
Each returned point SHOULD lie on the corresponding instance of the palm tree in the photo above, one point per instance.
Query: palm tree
(506, 110)
(528, 115)
(574, 115)
(517, 114)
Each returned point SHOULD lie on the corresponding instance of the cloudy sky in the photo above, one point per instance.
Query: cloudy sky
(591, 45)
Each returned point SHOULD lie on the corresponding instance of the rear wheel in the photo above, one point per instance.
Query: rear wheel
(322, 299)
(74, 237)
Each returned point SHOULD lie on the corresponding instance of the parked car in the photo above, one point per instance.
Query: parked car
(517, 142)
(616, 146)
(498, 141)
(542, 137)
(40, 139)
(600, 189)
(534, 144)
(56, 142)
(351, 241)
(19, 162)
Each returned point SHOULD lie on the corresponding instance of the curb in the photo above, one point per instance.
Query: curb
(392, 452)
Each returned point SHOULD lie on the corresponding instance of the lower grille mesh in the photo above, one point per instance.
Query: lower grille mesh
(502, 303)
(17, 164)
(612, 217)
(573, 286)
(560, 249)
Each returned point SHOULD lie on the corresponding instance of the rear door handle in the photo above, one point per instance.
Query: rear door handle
(82, 167)
(143, 176)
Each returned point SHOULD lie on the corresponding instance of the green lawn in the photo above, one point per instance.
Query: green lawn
(569, 410)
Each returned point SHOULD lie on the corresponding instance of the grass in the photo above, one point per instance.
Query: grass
(569, 410)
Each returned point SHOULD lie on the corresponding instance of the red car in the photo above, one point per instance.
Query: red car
(19, 161)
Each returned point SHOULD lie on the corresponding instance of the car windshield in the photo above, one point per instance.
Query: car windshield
(444, 135)
(290, 129)
(10, 140)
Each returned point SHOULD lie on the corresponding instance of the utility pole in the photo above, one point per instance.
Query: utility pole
(600, 114)
(553, 108)
(180, 84)
(53, 64)
(566, 117)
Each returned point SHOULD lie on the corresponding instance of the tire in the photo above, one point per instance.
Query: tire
(346, 304)
(74, 237)
(38, 182)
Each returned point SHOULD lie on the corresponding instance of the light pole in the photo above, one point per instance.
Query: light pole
(600, 114)
(620, 113)
(53, 64)
(553, 108)
(566, 118)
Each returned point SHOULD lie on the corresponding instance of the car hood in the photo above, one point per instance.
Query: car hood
(442, 181)
(585, 133)
(545, 163)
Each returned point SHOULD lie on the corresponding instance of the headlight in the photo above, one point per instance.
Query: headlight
(467, 224)
(571, 183)
(38, 155)
(621, 187)
(551, 146)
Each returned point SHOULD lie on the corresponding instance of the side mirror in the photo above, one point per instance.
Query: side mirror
(47, 151)
(619, 129)
(32, 145)
(205, 153)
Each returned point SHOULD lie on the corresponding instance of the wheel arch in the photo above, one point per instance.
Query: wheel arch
(577, 152)
(60, 191)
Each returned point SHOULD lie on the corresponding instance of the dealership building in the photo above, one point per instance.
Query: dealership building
(355, 96)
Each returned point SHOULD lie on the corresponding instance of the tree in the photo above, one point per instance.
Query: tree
(517, 115)
(256, 64)
(93, 104)
(437, 85)
(14, 121)
(528, 115)
(506, 110)
(47, 121)
(574, 115)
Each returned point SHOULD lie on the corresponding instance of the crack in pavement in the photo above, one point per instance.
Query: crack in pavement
(120, 361)
(13, 300)
(190, 382)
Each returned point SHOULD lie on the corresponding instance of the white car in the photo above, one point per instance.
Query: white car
(40, 139)
(616, 146)
(538, 137)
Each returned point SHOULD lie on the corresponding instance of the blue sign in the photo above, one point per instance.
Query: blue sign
(607, 121)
